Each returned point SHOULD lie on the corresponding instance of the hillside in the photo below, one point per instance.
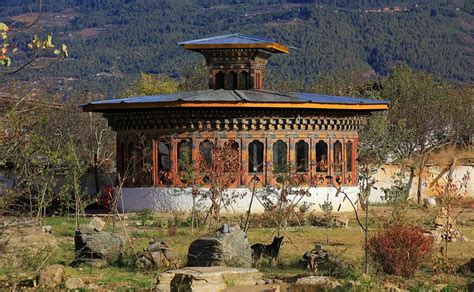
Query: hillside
(112, 41)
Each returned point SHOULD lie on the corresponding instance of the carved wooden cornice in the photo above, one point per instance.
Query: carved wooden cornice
(235, 120)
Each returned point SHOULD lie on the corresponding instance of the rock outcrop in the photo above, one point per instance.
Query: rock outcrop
(229, 249)
(97, 247)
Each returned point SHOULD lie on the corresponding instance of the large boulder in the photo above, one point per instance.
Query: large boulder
(229, 249)
(97, 246)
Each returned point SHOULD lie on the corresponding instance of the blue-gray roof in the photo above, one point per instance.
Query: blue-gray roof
(252, 96)
(229, 39)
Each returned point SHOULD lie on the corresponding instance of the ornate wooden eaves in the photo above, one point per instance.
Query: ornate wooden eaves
(238, 120)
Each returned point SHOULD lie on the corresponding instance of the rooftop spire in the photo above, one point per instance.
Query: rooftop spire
(235, 61)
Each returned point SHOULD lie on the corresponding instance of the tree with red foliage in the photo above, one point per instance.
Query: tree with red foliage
(400, 249)
(219, 173)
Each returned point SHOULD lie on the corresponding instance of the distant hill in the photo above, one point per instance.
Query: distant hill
(113, 40)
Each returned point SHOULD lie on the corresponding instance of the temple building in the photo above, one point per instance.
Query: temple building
(318, 134)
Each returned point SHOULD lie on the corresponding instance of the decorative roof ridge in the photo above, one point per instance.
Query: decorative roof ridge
(241, 94)
(286, 94)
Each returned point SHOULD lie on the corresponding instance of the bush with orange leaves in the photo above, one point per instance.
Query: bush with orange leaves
(400, 249)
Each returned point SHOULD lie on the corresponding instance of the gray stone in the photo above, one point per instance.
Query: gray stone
(206, 279)
(157, 256)
(340, 222)
(429, 202)
(97, 224)
(320, 258)
(223, 249)
(318, 247)
(318, 282)
(467, 268)
(91, 245)
(95, 263)
(74, 283)
(51, 276)
(93, 287)
(470, 287)
(47, 229)
(225, 228)
(260, 282)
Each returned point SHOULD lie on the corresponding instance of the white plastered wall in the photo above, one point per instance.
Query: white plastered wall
(175, 199)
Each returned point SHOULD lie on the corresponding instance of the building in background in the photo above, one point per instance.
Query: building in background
(317, 134)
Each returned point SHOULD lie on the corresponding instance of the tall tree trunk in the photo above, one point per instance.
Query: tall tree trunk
(193, 212)
(96, 175)
(366, 236)
(448, 207)
(247, 220)
(419, 192)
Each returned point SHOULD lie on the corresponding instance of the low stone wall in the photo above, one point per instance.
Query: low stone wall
(385, 177)
(170, 199)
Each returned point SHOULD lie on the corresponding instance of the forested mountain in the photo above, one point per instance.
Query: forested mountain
(110, 41)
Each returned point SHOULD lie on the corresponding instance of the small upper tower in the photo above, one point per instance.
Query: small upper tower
(235, 61)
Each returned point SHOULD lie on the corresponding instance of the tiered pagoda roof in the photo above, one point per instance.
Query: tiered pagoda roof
(236, 64)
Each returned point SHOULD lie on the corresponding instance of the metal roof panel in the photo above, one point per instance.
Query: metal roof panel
(242, 96)
(229, 39)
(321, 98)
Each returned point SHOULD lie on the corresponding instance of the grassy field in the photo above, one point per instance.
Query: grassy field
(346, 243)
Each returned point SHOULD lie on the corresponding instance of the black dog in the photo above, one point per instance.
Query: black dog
(270, 251)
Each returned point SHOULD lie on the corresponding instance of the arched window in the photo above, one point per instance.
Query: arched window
(231, 80)
(349, 156)
(244, 80)
(164, 162)
(205, 148)
(280, 156)
(220, 77)
(255, 157)
(337, 157)
(321, 156)
(184, 155)
(131, 159)
(301, 156)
